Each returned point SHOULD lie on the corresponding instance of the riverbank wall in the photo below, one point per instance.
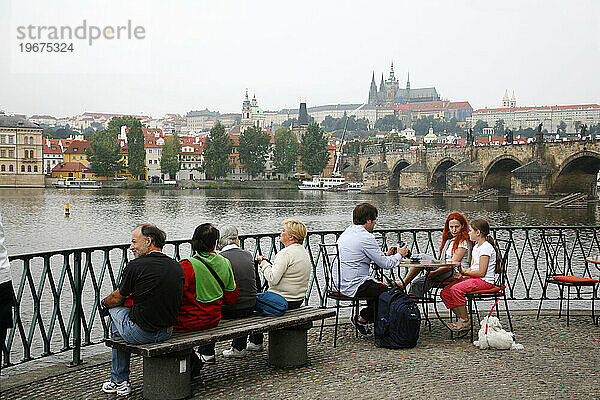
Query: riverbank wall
(212, 184)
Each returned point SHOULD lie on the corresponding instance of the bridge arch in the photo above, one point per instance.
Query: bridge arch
(395, 175)
(498, 173)
(368, 164)
(438, 177)
(578, 173)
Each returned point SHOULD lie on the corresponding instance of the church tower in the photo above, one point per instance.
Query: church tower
(513, 101)
(390, 88)
(373, 91)
(505, 100)
(246, 120)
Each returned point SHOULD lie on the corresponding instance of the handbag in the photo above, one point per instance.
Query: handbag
(270, 304)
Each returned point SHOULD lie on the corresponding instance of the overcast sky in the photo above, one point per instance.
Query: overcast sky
(199, 54)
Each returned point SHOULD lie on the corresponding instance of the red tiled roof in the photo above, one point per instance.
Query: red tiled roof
(459, 104)
(78, 147)
(197, 149)
(541, 108)
(51, 148)
(114, 115)
(150, 137)
(42, 117)
(70, 167)
(430, 106)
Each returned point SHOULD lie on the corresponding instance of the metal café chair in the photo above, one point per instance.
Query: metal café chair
(331, 263)
(499, 289)
(560, 273)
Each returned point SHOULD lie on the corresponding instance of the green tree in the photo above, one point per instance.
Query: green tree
(285, 151)
(254, 149)
(136, 154)
(422, 125)
(388, 123)
(169, 160)
(499, 127)
(216, 152)
(577, 126)
(105, 156)
(561, 128)
(313, 150)
(479, 125)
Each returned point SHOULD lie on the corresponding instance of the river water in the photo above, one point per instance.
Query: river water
(34, 219)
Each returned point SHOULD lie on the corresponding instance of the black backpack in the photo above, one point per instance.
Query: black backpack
(398, 320)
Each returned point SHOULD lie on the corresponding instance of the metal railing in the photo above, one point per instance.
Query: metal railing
(58, 292)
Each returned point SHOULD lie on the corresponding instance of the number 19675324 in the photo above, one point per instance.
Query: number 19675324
(45, 47)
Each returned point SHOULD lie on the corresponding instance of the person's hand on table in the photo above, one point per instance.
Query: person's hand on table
(403, 251)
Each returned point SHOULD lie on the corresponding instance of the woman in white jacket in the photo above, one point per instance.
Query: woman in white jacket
(289, 274)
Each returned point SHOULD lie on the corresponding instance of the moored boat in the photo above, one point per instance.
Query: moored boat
(333, 184)
(72, 182)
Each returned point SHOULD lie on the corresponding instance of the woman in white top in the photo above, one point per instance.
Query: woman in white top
(480, 276)
(288, 275)
(455, 248)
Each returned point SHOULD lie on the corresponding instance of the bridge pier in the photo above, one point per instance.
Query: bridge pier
(531, 179)
(415, 176)
(464, 177)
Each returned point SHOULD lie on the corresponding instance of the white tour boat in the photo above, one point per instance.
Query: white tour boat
(72, 182)
(329, 184)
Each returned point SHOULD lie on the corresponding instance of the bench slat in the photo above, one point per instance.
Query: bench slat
(227, 329)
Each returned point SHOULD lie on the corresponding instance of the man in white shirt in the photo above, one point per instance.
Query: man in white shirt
(6, 293)
(358, 248)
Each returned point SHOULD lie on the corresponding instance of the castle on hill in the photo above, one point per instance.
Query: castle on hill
(390, 94)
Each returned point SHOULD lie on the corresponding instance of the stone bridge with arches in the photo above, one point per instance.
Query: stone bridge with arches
(535, 169)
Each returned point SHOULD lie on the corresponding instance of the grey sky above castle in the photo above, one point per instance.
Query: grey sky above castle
(205, 54)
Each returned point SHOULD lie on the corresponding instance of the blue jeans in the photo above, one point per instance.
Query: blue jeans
(122, 326)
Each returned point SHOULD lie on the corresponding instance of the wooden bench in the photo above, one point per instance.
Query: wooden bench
(167, 372)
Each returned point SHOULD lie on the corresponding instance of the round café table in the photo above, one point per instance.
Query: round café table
(428, 266)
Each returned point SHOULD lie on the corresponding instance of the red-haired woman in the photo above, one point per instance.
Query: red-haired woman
(455, 248)
(479, 276)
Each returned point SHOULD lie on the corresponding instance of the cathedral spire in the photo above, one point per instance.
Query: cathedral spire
(373, 91)
(408, 81)
(381, 84)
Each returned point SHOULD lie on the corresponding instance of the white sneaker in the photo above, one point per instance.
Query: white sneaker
(233, 353)
(254, 347)
(121, 389)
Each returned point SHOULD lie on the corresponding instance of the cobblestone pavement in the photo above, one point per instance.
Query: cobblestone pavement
(557, 362)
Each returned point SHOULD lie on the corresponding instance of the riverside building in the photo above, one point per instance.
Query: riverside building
(21, 160)
(530, 117)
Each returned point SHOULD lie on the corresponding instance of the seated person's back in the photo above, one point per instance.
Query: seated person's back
(203, 295)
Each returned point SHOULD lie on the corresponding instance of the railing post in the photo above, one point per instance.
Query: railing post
(77, 291)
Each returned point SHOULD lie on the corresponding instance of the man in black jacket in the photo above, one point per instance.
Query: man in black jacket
(153, 281)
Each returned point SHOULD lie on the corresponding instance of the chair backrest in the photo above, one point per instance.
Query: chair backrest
(331, 266)
(504, 253)
(555, 249)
